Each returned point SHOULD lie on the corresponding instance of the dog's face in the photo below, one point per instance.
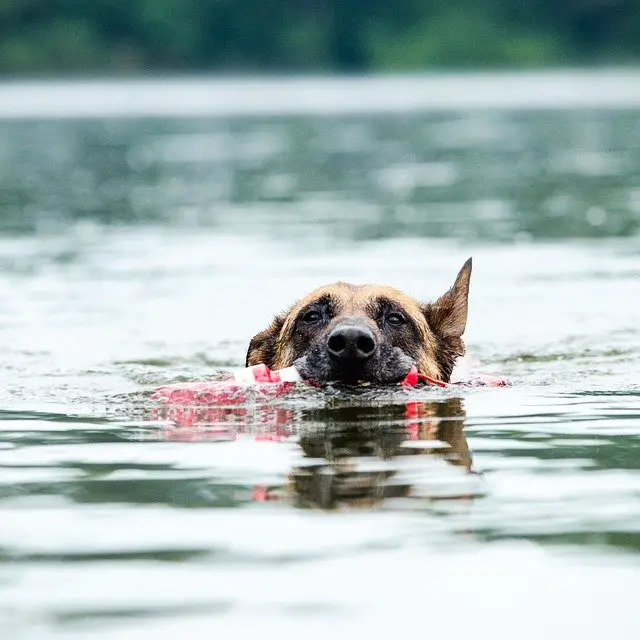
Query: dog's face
(348, 334)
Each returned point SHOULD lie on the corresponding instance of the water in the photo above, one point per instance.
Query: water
(139, 251)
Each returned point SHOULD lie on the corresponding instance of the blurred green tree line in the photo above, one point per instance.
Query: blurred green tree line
(41, 37)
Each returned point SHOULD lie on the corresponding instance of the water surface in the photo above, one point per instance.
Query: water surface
(137, 251)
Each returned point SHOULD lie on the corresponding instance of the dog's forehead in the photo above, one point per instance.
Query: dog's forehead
(360, 296)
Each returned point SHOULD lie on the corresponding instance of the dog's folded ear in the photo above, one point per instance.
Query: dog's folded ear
(262, 348)
(447, 316)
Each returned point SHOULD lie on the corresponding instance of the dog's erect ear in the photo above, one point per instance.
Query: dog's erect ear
(262, 348)
(447, 316)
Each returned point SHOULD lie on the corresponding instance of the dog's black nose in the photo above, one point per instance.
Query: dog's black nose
(351, 342)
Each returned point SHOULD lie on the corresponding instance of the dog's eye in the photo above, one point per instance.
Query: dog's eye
(396, 319)
(311, 317)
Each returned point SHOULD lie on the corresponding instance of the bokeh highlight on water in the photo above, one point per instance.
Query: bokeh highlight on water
(140, 251)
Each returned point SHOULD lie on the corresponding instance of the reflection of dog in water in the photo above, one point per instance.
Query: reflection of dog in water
(402, 451)
(351, 455)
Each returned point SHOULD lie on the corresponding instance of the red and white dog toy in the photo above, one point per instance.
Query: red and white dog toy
(266, 384)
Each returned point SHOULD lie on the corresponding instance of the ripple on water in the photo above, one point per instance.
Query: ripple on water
(149, 251)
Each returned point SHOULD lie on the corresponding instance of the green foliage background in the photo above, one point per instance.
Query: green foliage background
(40, 37)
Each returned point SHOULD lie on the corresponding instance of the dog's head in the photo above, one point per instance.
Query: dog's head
(348, 333)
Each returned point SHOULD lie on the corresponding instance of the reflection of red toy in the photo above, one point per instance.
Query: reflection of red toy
(226, 409)
(264, 423)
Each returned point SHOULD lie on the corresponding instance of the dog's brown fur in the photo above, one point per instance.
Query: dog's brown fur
(432, 337)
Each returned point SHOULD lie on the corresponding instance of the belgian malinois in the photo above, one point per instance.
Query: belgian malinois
(351, 334)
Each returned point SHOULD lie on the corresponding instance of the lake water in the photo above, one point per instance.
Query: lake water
(149, 230)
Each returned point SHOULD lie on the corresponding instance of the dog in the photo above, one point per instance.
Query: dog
(349, 334)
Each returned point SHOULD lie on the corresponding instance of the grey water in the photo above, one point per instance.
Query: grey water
(145, 243)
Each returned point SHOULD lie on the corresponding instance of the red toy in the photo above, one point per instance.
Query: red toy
(261, 383)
